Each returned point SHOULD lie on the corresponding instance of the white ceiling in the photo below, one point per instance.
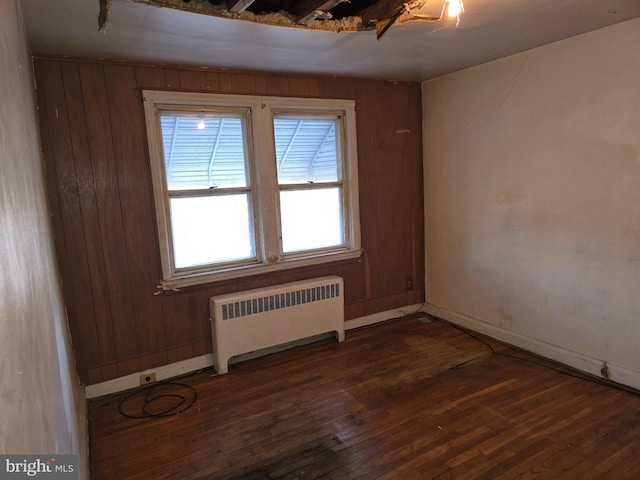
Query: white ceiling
(489, 29)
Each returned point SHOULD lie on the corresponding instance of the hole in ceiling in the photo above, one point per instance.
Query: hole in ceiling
(329, 15)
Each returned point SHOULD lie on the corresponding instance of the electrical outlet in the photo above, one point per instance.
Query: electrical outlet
(147, 378)
(409, 283)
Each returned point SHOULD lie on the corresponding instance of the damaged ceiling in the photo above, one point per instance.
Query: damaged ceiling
(329, 15)
(209, 34)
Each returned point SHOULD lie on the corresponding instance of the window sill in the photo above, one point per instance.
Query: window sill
(175, 284)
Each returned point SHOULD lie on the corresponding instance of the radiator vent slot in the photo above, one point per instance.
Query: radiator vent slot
(261, 304)
(253, 320)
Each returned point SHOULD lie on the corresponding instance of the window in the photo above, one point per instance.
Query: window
(247, 185)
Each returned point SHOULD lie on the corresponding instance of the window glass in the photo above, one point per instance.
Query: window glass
(307, 149)
(311, 219)
(211, 229)
(203, 151)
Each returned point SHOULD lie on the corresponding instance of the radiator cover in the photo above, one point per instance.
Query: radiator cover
(252, 320)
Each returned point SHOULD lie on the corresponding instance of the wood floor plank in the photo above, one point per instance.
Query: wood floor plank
(400, 400)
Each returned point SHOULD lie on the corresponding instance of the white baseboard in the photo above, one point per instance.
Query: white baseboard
(194, 364)
(164, 372)
(567, 357)
(382, 316)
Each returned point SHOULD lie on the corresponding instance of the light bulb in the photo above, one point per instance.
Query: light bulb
(455, 8)
(201, 125)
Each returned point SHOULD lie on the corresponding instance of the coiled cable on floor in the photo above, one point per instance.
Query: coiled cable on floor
(159, 400)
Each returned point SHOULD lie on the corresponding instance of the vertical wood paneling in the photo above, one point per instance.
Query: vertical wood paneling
(387, 223)
(89, 211)
(72, 253)
(128, 366)
(213, 81)
(108, 371)
(354, 280)
(109, 210)
(94, 375)
(192, 80)
(172, 77)
(182, 352)
(353, 310)
(261, 84)
(381, 304)
(299, 86)
(417, 194)
(176, 309)
(151, 360)
(134, 180)
(225, 82)
(344, 88)
(147, 77)
(200, 325)
(94, 138)
(277, 85)
(48, 117)
(243, 83)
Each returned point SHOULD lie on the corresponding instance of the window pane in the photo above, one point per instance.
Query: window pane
(211, 229)
(204, 151)
(311, 219)
(307, 149)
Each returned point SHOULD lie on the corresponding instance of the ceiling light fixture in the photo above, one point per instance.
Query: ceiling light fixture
(414, 11)
(455, 8)
(423, 11)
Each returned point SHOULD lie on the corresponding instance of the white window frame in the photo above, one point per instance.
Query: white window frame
(263, 179)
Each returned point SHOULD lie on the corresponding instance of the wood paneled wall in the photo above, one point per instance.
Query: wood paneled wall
(99, 183)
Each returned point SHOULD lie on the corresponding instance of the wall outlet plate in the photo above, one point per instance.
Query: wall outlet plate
(147, 378)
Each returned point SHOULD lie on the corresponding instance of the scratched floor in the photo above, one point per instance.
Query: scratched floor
(408, 399)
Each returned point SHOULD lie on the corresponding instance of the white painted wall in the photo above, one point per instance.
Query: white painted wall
(532, 195)
(42, 407)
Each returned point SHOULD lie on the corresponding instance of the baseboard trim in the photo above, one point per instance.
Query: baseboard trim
(576, 360)
(194, 364)
(382, 316)
(164, 372)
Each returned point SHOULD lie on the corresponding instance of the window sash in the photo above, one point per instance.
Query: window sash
(200, 240)
(333, 136)
(212, 144)
(324, 228)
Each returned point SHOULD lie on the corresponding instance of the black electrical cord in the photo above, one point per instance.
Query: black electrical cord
(586, 377)
(158, 394)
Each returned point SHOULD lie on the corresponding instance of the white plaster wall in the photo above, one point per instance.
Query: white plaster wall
(532, 199)
(42, 407)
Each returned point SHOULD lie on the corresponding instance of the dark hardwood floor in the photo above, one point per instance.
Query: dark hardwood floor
(407, 399)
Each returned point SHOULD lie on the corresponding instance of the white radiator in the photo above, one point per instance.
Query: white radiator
(252, 320)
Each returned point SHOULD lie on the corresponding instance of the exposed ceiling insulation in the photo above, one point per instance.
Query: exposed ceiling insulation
(330, 15)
